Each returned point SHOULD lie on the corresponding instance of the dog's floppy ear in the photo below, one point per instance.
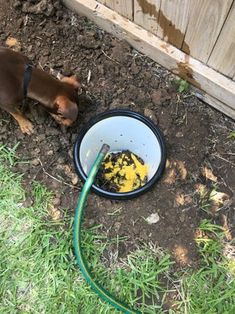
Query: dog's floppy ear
(66, 108)
(72, 80)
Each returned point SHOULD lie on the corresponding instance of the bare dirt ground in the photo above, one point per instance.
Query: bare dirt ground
(199, 180)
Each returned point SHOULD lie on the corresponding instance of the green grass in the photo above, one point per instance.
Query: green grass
(211, 289)
(38, 271)
(231, 135)
(183, 86)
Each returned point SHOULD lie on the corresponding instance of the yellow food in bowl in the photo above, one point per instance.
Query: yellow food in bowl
(124, 171)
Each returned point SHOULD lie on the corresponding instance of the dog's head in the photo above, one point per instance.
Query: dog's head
(67, 104)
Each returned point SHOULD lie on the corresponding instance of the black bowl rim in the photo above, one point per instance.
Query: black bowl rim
(127, 113)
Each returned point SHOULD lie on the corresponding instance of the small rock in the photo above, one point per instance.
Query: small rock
(179, 134)
(91, 222)
(20, 23)
(56, 185)
(74, 179)
(59, 14)
(30, 48)
(88, 42)
(43, 7)
(117, 226)
(153, 218)
(32, 56)
(36, 151)
(50, 152)
(61, 160)
(3, 129)
(135, 69)
(165, 132)
(52, 131)
(35, 162)
(156, 97)
(74, 137)
(57, 5)
(70, 153)
(46, 52)
(17, 4)
(28, 202)
(56, 201)
(100, 68)
(144, 235)
(41, 137)
(43, 60)
(151, 115)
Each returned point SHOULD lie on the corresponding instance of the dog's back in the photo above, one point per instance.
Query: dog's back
(12, 66)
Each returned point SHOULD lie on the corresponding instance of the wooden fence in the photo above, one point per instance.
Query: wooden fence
(193, 38)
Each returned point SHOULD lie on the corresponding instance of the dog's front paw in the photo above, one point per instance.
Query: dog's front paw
(26, 127)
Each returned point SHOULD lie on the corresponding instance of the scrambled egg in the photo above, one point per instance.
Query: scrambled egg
(125, 170)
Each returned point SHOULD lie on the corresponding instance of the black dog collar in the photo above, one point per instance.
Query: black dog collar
(27, 77)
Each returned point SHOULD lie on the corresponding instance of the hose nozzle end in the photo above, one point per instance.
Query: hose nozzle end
(104, 149)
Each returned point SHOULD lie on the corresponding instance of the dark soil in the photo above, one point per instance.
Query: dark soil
(116, 76)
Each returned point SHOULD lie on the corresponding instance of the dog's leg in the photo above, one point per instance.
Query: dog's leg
(25, 125)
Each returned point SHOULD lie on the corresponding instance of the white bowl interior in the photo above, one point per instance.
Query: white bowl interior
(121, 133)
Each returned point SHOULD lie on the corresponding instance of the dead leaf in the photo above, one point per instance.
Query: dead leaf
(175, 170)
(182, 199)
(201, 189)
(207, 173)
(226, 228)
(54, 213)
(229, 251)
(170, 177)
(168, 163)
(182, 169)
(181, 255)
(12, 42)
(179, 199)
(218, 198)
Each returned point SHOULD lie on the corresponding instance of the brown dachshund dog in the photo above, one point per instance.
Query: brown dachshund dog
(18, 79)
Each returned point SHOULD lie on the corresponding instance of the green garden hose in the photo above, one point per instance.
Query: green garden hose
(105, 295)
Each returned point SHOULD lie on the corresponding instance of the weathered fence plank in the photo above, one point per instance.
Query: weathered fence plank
(205, 22)
(146, 14)
(165, 18)
(173, 20)
(223, 54)
(124, 7)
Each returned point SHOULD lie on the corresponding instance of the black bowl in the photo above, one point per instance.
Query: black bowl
(125, 113)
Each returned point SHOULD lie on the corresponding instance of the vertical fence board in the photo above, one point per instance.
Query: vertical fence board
(211, 82)
(124, 7)
(205, 22)
(173, 20)
(146, 14)
(223, 55)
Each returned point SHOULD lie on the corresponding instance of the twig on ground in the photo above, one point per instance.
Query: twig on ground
(56, 179)
(228, 161)
(89, 77)
(110, 57)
